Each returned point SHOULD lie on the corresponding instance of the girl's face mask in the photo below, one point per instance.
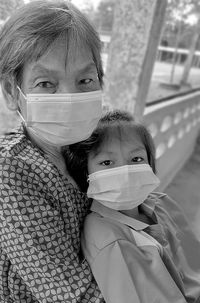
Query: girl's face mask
(124, 187)
(61, 119)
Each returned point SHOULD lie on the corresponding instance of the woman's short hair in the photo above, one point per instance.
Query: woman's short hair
(115, 123)
(31, 31)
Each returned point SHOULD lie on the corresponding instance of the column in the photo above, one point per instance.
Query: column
(135, 37)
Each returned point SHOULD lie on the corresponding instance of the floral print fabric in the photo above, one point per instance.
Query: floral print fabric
(41, 215)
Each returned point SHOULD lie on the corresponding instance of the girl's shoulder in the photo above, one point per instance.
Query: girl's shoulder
(163, 201)
(102, 231)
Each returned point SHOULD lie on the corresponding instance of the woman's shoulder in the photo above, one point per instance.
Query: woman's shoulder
(15, 146)
(18, 156)
(12, 142)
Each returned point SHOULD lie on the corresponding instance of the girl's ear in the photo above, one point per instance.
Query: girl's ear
(10, 94)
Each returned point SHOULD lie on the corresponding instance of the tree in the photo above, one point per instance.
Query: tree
(181, 31)
(104, 15)
(88, 10)
(178, 22)
(8, 6)
(193, 47)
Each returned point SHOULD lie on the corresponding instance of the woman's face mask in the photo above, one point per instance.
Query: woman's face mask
(61, 119)
(124, 187)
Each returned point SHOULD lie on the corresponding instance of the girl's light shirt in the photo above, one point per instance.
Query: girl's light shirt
(125, 259)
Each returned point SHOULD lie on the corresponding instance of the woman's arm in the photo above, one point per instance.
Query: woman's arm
(37, 242)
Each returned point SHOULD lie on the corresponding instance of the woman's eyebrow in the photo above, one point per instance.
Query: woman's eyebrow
(39, 68)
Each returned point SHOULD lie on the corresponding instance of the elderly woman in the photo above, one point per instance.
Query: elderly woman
(51, 73)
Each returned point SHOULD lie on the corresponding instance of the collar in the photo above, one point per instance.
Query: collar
(112, 214)
(147, 207)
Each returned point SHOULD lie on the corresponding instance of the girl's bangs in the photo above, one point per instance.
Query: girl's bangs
(123, 132)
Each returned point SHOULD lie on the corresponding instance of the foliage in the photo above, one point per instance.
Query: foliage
(181, 16)
(8, 6)
(182, 10)
(104, 15)
(88, 10)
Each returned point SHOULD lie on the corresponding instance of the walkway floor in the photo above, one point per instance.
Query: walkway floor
(185, 189)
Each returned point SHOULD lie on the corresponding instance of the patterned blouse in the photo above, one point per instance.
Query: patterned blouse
(41, 215)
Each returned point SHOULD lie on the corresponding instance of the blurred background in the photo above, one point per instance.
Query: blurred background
(177, 64)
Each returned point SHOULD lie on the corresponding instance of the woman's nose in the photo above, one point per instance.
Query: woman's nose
(67, 88)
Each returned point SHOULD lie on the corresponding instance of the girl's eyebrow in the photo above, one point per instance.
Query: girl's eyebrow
(88, 68)
(138, 149)
(97, 154)
(103, 153)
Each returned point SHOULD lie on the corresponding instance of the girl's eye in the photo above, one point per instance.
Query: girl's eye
(86, 81)
(90, 80)
(89, 83)
(106, 162)
(137, 159)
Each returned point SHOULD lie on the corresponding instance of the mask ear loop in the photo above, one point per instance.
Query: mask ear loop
(19, 110)
(21, 92)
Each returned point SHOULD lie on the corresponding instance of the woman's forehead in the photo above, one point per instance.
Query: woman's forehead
(61, 54)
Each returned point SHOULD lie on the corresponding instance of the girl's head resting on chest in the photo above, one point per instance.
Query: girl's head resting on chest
(118, 140)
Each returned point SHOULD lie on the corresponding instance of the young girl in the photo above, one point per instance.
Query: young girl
(130, 241)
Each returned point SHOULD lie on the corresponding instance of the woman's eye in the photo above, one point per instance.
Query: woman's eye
(45, 84)
(106, 162)
(137, 159)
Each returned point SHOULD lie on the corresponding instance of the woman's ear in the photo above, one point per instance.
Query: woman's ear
(10, 94)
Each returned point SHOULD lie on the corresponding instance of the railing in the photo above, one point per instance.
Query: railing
(180, 53)
(164, 53)
(174, 125)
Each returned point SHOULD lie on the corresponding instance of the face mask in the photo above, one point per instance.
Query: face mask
(61, 119)
(123, 187)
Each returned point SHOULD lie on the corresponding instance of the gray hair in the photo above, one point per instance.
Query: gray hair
(35, 27)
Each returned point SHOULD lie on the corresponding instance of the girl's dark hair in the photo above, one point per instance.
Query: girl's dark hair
(112, 124)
